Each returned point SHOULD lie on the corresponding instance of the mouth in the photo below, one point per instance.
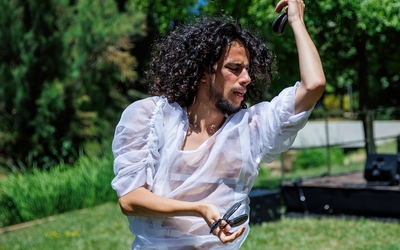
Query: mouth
(239, 93)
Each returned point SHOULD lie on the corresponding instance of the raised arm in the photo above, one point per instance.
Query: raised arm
(311, 72)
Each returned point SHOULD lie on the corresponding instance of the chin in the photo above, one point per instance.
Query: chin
(228, 108)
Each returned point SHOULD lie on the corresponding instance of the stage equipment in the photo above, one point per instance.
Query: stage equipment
(382, 169)
(264, 205)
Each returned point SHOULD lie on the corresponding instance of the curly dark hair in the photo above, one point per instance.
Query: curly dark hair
(180, 59)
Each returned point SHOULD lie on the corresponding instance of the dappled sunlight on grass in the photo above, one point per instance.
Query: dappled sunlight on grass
(102, 227)
(324, 233)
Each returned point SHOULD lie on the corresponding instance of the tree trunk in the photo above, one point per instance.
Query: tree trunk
(366, 113)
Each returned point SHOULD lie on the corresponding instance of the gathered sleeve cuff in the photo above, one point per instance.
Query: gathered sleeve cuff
(136, 145)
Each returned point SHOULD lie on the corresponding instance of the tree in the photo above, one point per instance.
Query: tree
(360, 28)
(161, 16)
(66, 72)
(356, 41)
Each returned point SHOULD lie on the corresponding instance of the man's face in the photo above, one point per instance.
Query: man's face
(228, 85)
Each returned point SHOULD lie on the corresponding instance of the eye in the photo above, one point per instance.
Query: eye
(233, 68)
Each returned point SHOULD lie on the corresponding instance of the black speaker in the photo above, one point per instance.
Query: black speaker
(382, 168)
(264, 205)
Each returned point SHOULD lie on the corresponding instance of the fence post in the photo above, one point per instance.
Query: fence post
(398, 144)
(328, 151)
(368, 123)
(282, 167)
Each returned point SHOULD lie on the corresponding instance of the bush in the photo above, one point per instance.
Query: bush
(64, 188)
(65, 74)
(316, 157)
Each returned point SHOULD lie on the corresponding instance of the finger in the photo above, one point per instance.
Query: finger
(226, 237)
(225, 226)
(241, 230)
(281, 5)
(295, 10)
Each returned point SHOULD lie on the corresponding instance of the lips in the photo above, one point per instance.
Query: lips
(239, 93)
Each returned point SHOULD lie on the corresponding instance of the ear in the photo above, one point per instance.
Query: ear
(205, 77)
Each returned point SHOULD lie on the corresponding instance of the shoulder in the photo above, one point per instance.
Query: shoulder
(145, 103)
(279, 108)
(149, 108)
(144, 106)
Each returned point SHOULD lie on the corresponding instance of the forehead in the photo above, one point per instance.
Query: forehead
(235, 51)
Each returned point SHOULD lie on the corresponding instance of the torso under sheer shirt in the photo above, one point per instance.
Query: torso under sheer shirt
(147, 149)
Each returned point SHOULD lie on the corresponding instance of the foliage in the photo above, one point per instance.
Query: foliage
(270, 178)
(65, 69)
(357, 44)
(387, 113)
(25, 197)
(161, 15)
(331, 101)
(344, 57)
(315, 157)
(356, 41)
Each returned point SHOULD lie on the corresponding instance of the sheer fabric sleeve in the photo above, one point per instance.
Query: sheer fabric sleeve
(135, 146)
(279, 124)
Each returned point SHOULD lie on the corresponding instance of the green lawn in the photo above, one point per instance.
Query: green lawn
(325, 233)
(104, 227)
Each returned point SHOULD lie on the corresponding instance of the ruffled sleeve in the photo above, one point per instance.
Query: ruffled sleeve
(279, 124)
(136, 145)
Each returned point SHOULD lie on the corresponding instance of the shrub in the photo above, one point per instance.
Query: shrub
(38, 194)
(316, 157)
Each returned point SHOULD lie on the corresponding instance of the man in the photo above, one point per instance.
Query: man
(185, 155)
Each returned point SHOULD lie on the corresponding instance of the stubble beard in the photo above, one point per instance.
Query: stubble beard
(221, 103)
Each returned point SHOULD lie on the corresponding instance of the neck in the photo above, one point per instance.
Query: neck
(204, 119)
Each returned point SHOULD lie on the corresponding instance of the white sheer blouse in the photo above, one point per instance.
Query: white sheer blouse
(147, 149)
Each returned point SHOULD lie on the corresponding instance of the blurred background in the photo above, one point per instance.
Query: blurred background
(68, 68)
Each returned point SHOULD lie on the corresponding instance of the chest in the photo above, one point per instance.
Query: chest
(193, 141)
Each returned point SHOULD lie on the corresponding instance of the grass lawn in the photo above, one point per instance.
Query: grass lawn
(104, 227)
(325, 233)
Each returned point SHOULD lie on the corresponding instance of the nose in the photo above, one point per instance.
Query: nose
(245, 78)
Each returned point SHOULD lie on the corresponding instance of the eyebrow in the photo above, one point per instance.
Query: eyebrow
(238, 64)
